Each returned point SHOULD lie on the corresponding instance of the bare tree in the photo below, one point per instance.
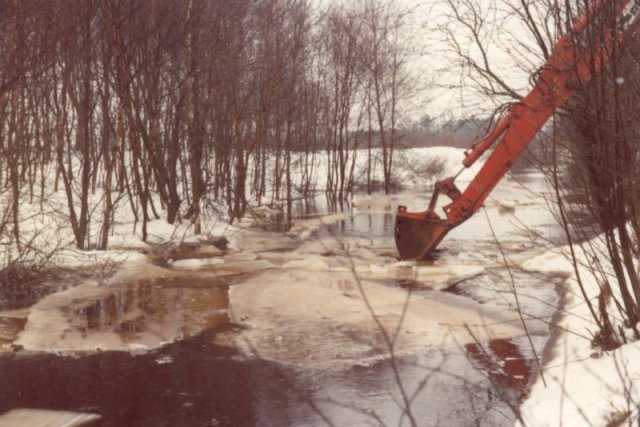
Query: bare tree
(386, 57)
(595, 170)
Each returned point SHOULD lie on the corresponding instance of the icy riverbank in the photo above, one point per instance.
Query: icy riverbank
(582, 385)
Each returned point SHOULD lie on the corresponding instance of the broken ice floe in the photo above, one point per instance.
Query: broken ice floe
(134, 312)
(196, 263)
(27, 417)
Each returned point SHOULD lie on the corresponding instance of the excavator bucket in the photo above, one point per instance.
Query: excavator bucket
(418, 234)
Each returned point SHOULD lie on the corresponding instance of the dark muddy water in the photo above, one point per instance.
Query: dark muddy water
(369, 225)
(191, 382)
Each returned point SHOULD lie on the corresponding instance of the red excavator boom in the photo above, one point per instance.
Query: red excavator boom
(571, 64)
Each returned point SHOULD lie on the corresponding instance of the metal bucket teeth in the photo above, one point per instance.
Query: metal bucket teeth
(418, 234)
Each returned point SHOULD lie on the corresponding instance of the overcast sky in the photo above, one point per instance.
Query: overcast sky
(449, 92)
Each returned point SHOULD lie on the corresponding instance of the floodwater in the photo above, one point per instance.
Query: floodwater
(191, 382)
(298, 328)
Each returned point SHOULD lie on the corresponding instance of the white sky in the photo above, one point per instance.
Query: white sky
(448, 91)
(453, 92)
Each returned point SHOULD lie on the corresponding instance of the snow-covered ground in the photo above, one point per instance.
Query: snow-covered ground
(582, 386)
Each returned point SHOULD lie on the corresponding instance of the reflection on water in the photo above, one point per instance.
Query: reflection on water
(20, 292)
(358, 224)
(131, 310)
(10, 327)
(303, 208)
(507, 368)
(372, 225)
(408, 284)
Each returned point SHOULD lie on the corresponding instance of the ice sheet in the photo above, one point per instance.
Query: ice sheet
(141, 308)
(326, 312)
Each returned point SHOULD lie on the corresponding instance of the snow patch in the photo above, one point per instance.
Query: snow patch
(584, 387)
(195, 264)
(313, 263)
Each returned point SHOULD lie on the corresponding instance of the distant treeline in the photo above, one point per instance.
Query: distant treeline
(456, 132)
